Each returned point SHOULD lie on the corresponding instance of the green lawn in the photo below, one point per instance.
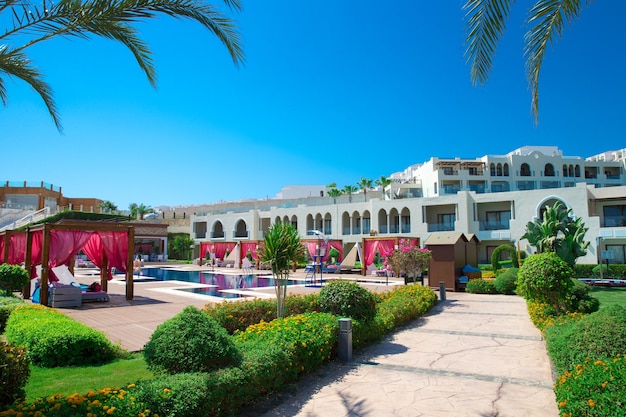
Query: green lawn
(609, 296)
(44, 382)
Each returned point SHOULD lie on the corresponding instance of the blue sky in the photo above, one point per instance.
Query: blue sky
(331, 91)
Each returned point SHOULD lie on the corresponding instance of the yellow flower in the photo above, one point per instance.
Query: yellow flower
(131, 386)
(111, 410)
(591, 403)
(562, 403)
(604, 384)
(167, 390)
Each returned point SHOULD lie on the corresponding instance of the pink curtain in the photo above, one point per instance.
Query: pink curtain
(204, 248)
(311, 247)
(383, 246)
(17, 249)
(2, 249)
(336, 244)
(115, 245)
(36, 251)
(93, 250)
(64, 245)
(222, 247)
(249, 246)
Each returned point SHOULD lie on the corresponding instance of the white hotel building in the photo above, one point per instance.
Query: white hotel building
(492, 198)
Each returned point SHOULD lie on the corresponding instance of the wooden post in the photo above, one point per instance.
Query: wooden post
(104, 272)
(129, 264)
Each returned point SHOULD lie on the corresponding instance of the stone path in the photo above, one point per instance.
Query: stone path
(473, 355)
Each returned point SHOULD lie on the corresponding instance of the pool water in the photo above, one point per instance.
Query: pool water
(215, 283)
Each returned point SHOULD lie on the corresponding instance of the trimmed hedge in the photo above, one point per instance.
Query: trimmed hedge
(53, 339)
(481, 286)
(600, 335)
(12, 278)
(7, 305)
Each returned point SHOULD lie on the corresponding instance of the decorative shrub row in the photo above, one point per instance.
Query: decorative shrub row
(481, 286)
(53, 339)
(273, 354)
(588, 352)
(593, 271)
(7, 304)
(600, 335)
(240, 315)
(12, 278)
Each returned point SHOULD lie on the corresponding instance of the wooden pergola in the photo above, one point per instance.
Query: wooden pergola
(84, 226)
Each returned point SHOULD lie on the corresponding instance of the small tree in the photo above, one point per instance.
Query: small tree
(12, 278)
(281, 249)
(545, 277)
(180, 247)
(411, 260)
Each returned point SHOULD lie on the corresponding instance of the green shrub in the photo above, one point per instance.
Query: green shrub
(505, 282)
(191, 341)
(579, 298)
(12, 278)
(240, 315)
(595, 388)
(179, 395)
(612, 271)
(495, 257)
(583, 270)
(347, 299)
(309, 339)
(481, 286)
(14, 372)
(53, 339)
(600, 335)
(7, 304)
(545, 277)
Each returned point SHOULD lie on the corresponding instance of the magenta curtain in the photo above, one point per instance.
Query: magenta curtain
(64, 245)
(385, 247)
(115, 245)
(382, 246)
(17, 249)
(93, 250)
(249, 246)
(204, 248)
(2, 249)
(311, 248)
(36, 251)
(222, 247)
(336, 244)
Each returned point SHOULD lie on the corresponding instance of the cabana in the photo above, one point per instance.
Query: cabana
(449, 255)
(323, 247)
(106, 245)
(384, 246)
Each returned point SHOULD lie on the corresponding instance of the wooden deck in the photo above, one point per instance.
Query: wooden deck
(131, 322)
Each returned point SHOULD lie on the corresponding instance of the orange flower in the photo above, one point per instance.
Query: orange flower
(591, 403)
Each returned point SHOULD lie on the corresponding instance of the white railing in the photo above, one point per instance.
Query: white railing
(28, 219)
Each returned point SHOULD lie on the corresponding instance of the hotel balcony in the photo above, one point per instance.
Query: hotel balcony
(501, 225)
(440, 227)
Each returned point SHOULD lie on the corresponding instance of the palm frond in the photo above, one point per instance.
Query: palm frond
(486, 22)
(546, 19)
(18, 65)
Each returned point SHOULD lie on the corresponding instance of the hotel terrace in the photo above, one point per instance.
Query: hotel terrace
(491, 198)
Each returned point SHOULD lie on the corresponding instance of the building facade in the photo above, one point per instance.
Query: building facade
(492, 198)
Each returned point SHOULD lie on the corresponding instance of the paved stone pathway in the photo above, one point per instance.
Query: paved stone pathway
(473, 355)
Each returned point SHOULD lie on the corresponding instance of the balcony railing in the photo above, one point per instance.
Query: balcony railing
(450, 189)
(406, 228)
(440, 227)
(501, 225)
(241, 234)
(217, 235)
(500, 188)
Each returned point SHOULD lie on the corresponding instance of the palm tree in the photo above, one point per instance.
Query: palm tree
(334, 193)
(558, 232)
(365, 184)
(111, 19)
(349, 189)
(281, 249)
(384, 182)
(138, 211)
(486, 22)
(108, 207)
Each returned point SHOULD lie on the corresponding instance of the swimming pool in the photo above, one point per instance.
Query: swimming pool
(213, 284)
